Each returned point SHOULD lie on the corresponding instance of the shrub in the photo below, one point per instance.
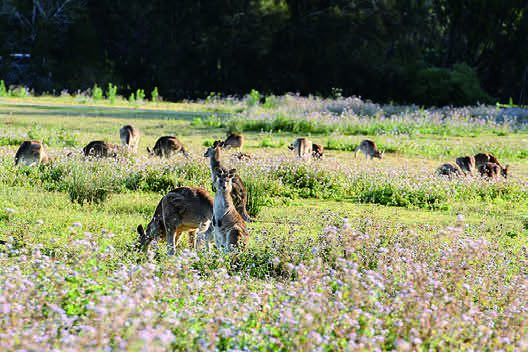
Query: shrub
(111, 93)
(140, 95)
(3, 90)
(97, 93)
(253, 98)
(91, 183)
(457, 85)
(154, 95)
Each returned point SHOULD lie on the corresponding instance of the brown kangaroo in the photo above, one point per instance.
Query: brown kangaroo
(302, 147)
(129, 137)
(100, 149)
(239, 193)
(448, 169)
(183, 209)
(317, 150)
(490, 170)
(483, 158)
(234, 140)
(368, 148)
(466, 164)
(229, 227)
(31, 153)
(166, 146)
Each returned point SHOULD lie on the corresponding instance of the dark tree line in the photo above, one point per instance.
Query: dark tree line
(428, 52)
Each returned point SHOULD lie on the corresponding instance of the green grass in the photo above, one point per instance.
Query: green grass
(401, 232)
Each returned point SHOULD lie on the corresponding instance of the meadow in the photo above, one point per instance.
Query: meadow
(344, 254)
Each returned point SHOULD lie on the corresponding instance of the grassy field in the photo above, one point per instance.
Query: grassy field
(344, 254)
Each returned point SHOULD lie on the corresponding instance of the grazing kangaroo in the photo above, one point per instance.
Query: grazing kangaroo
(229, 227)
(368, 148)
(100, 149)
(483, 158)
(166, 146)
(183, 209)
(234, 140)
(448, 169)
(239, 193)
(491, 170)
(317, 150)
(129, 137)
(31, 153)
(466, 164)
(302, 147)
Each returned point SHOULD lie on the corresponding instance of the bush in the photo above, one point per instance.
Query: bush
(111, 93)
(154, 95)
(3, 90)
(457, 86)
(92, 183)
(140, 95)
(97, 93)
(253, 98)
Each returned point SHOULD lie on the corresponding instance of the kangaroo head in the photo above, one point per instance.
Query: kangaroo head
(504, 171)
(146, 236)
(213, 149)
(224, 179)
(378, 154)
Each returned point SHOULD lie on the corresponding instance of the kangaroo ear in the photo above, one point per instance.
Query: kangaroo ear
(141, 230)
(149, 151)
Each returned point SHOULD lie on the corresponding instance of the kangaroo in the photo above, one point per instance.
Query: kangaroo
(239, 193)
(129, 137)
(166, 146)
(483, 158)
(317, 150)
(229, 227)
(234, 140)
(449, 169)
(302, 147)
(466, 164)
(31, 153)
(491, 170)
(100, 149)
(368, 148)
(183, 209)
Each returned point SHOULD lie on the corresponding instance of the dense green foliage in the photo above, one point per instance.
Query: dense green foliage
(426, 52)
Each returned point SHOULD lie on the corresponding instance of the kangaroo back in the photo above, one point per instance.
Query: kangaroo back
(168, 145)
(129, 136)
(370, 149)
(448, 169)
(234, 140)
(183, 209)
(466, 164)
(100, 149)
(31, 153)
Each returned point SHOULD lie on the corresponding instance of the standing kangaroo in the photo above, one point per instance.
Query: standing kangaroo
(166, 146)
(31, 153)
(368, 148)
(466, 164)
(234, 140)
(302, 147)
(482, 158)
(100, 149)
(239, 193)
(449, 170)
(229, 227)
(129, 137)
(183, 209)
